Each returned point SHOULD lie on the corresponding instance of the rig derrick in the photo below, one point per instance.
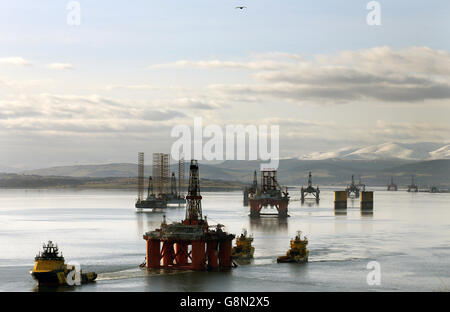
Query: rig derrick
(158, 195)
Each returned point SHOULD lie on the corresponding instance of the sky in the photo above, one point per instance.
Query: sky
(118, 82)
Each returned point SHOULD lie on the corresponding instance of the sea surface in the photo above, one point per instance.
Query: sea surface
(408, 235)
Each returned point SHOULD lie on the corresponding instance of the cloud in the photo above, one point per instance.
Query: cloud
(17, 61)
(380, 74)
(196, 103)
(74, 114)
(376, 132)
(421, 60)
(61, 66)
(257, 65)
(269, 84)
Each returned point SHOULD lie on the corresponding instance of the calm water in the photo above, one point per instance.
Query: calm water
(408, 234)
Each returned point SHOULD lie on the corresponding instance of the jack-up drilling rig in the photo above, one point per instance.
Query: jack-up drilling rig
(190, 244)
(151, 201)
(310, 190)
(161, 168)
(158, 195)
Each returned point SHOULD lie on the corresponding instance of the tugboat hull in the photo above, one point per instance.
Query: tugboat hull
(88, 277)
(242, 255)
(286, 259)
(58, 278)
(49, 278)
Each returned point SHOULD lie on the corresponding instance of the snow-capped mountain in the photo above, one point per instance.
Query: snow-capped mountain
(415, 151)
(441, 153)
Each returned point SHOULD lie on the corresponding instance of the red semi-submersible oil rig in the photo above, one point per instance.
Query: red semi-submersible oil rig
(190, 244)
(271, 195)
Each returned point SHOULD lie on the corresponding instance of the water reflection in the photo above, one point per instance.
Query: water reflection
(270, 225)
(353, 203)
(310, 202)
(340, 212)
(191, 281)
(367, 213)
(147, 220)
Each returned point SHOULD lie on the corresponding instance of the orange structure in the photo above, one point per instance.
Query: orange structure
(190, 244)
(269, 195)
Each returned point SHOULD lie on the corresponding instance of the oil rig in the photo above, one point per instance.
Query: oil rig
(310, 190)
(392, 186)
(353, 189)
(270, 195)
(362, 186)
(158, 193)
(250, 189)
(190, 244)
(412, 187)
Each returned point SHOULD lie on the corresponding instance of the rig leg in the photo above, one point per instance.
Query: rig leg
(225, 247)
(211, 252)
(366, 202)
(282, 208)
(255, 208)
(198, 255)
(153, 253)
(340, 200)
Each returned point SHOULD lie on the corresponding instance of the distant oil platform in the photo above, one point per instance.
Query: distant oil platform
(159, 193)
(310, 190)
(392, 186)
(413, 186)
(353, 189)
(270, 194)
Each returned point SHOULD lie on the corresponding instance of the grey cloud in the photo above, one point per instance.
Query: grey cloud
(162, 115)
(410, 75)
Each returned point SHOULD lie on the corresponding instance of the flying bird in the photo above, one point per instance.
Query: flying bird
(241, 7)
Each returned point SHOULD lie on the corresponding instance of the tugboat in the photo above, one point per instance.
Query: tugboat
(298, 252)
(50, 269)
(243, 249)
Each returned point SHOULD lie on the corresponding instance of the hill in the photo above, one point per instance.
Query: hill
(291, 171)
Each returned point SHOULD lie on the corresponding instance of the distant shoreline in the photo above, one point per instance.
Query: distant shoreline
(15, 181)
